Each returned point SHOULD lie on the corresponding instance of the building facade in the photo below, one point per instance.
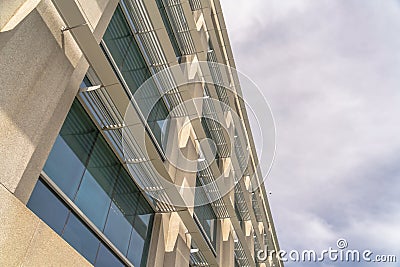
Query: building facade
(124, 139)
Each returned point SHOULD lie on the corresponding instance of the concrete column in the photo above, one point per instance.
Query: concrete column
(225, 243)
(40, 76)
(9, 9)
(249, 233)
(157, 242)
(170, 242)
(44, 69)
(25, 240)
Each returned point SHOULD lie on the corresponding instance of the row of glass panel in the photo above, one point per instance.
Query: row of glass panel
(85, 168)
(131, 64)
(126, 54)
(51, 209)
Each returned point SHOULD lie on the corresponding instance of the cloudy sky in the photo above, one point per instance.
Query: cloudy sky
(330, 70)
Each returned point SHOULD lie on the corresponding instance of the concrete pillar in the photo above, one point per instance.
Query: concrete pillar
(25, 240)
(249, 233)
(170, 242)
(225, 243)
(44, 69)
(39, 79)
(157, 242)
(8, 10)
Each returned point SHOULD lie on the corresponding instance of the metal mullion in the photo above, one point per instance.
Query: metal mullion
(112, 106)
(89, 99)
(134, 104)
(72, 206)
(101, 105)
(120, 159)
(103, 94)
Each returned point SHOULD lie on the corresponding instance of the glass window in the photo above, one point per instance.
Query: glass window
(104, 165)
(79, 131)
(205, 215)
(106, 259)
(125, 51)
(71, 150)
(52, 210)
(86, 169)
(81, 238)
(94, 194)
(136, 249)
(93, 200)
(134, 70)
(140, 240)
(118, 37)
(48, 207)
(118, 228)
(129, 60)
(64, 167)
(126, 195)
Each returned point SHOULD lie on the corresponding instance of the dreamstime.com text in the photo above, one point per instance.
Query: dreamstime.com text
(339, 254)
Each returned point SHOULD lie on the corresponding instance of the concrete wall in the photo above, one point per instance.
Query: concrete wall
(39, 78)
(25, 240)
(170, 243)
(43, 74)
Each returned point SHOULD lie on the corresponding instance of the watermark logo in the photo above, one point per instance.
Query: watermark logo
(339, 254)
(341, 243)
(197, 104)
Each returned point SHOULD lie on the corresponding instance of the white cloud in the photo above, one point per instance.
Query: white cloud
(331, 71)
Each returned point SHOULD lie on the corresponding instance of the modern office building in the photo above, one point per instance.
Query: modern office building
(109, 112)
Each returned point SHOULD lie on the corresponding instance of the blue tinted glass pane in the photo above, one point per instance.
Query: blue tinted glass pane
(93, 200)
(104, 165)
(145, 218)
(81, 238)
(136, 246)
(48, 207)
(139, 238)
(64, 167)
(118, 229)
(118, 36)
(106, 259)
(66, 161)
(79, 131)
(126, 194)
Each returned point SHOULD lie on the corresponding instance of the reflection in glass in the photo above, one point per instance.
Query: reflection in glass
(48, 207)
(71, 150)
(118, 228)
(106, 259)
(85, 168)
(64, 167)
(140, 240)
(93, 200)
(81, 238)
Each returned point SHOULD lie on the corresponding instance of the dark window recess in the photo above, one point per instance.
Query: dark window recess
(206, 216)
(131, 65)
